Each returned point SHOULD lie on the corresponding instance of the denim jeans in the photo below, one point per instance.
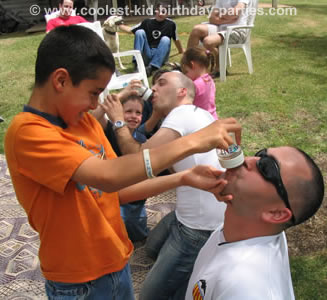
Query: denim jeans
(113, 286)
(153, 56)
(135, 219)
(176, 247)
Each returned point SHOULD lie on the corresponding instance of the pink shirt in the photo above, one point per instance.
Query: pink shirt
(205, 92)
(72, 20)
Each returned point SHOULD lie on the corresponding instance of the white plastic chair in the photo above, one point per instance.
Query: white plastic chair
(224, 49)
(119, 82)
(95, 26)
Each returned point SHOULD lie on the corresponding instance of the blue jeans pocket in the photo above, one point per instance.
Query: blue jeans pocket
(196, 238)
(66, 291)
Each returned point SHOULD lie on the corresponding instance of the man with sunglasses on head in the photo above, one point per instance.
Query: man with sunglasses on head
(247, 257)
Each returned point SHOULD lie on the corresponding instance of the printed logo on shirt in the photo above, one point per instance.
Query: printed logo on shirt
(99, 152)
(156, 34)
(199, 290)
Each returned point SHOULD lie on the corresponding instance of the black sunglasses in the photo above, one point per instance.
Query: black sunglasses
(269, 169)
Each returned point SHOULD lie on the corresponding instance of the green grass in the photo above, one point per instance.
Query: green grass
(309, 275)
(283, 102)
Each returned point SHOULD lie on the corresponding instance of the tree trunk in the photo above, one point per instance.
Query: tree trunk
(274, 3)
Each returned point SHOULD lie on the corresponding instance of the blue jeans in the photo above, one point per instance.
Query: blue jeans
(135, 219)
(113, 286)
(153, 56)
(176, 247)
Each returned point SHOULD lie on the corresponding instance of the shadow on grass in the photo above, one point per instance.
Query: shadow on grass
(313, 47)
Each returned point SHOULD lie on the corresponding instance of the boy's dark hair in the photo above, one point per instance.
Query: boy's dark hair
(133, 98)
(157, 74)
(75, 48)
(62, 1)
(162, 5)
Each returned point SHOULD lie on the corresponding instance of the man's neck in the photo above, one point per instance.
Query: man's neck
(185, 101)
(243, 229)
(64, 17)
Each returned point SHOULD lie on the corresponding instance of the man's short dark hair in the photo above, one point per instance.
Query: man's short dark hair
(75, 48)
(61, 2)
(157, 75)
(311, 191)
(162, 5)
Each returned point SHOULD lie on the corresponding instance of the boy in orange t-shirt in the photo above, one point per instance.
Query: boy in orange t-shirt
(69, 180)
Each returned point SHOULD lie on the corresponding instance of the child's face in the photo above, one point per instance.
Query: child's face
(133, 113)
(161, 13)
(74, 101)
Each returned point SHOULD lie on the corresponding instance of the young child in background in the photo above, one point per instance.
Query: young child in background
(195, 64)
(133, 214)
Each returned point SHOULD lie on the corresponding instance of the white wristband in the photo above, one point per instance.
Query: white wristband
(147, 163)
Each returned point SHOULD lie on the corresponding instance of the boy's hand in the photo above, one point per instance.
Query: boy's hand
(130, 89)
(113, 108)
(216, 135)
(206, 178)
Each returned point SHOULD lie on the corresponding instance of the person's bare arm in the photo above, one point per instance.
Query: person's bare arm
(227, 16)
(127, 144)
(179, 46)
(125, 28)
(115, 174)
(162, 136)
(114, 109)
(151, 123)
(203, 177)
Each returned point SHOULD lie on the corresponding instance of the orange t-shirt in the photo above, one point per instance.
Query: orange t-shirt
(82, 234)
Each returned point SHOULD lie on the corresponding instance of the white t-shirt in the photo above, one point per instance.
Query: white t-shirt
(226, 4)
(253, 269)
(195, 208)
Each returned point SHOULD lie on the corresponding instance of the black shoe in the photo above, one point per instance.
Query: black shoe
(216, 74)
(1, 119)
(150, 69)
(174, 66)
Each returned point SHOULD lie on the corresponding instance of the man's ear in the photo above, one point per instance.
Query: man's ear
(60, 77)
(182, 92)
(277, 215)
